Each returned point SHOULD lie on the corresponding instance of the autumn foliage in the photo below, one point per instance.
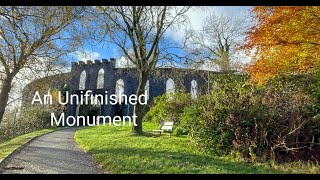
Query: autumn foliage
(283, 40)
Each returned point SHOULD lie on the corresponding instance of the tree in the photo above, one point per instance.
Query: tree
(216, 42)
(31, 35)
(215, 45)
(283, 39)
(139, 31)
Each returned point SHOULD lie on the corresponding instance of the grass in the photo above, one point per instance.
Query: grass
(9, 146)
(118, 151)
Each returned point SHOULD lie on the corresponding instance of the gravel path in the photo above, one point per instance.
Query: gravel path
(53, 153)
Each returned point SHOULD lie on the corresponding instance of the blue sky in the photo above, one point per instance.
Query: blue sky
(196, 17)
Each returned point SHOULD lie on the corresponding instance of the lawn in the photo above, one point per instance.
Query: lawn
(9, 146)
(117, 151)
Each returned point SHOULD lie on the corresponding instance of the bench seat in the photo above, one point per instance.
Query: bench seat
(165, 127)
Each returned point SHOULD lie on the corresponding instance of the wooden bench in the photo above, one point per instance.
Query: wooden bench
(165, 127)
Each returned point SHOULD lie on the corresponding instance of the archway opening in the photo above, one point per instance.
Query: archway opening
(193, 91)
(82, 80)
(100, 79)
(119, 108)
(170, 88)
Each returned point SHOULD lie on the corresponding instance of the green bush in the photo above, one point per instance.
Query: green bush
(206, 119)
(27, 120)
(168, 109)
(37, 117)
(254, 121)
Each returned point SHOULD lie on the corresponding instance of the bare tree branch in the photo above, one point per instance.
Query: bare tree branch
(31, 35)
(144, 27)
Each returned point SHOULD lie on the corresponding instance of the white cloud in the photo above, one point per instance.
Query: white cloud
(204, 65)
(124, 63)
(197, 16)
(86, 55)
(242, 57)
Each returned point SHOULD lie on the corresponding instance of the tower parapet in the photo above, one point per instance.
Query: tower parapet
(84, 65)
(97, 61)
(89, 62)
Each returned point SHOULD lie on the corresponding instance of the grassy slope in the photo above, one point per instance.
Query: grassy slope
(120, 152)
(9, 146)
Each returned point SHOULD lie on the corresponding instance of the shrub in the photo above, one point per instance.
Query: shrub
(26, 119)
(206, 120)
(254, 121)
(29, 119)
(36, 118)
(168, 109)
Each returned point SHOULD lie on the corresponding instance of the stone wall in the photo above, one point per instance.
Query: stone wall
(157, 82)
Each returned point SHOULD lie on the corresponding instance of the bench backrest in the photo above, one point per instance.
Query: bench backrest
(167, 126)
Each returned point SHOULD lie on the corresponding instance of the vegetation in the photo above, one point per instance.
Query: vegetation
(118, 151)
(34, 37)
(164, 109)
(30, 119)
(272, 114)
(285, 39)
(217, 41)
(259, 123)
(8, 147)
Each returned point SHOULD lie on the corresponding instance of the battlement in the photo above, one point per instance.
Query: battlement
(95, 62)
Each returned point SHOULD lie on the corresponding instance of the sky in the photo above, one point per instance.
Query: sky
(196, 18)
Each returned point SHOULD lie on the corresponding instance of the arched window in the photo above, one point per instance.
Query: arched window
(170, 89)
(82, 81)
(146, 90)
(119, 90)
(193, 89)
(100, 80)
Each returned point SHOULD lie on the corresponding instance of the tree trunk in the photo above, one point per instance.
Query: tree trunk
(4, 95)
(137, 109)
(208, 90)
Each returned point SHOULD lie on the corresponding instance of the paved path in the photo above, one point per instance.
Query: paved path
(53, 153)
